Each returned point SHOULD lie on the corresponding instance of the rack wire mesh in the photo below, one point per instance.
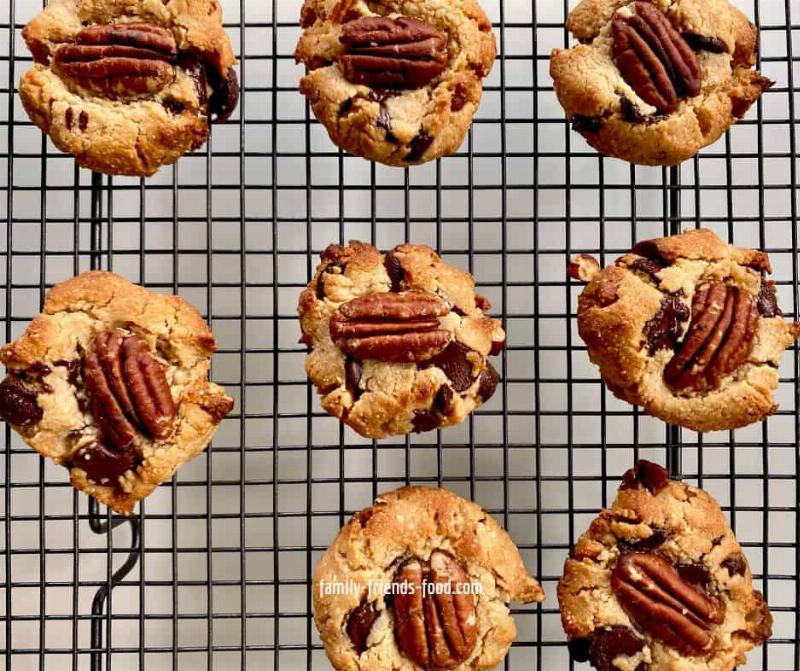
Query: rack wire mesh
(214, 570)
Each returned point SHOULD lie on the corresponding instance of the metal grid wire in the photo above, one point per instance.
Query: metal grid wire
(214, 571)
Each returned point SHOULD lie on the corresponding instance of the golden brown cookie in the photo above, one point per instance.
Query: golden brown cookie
(688, 327)
(421, 580)
(395, 81)
(128, 86)
(398, 341)
(659, 582)
(111, 382)
(655, 81)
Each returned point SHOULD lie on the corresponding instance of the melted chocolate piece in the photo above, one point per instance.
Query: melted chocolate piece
(646, 473)
(74, 372)
(587, 124)
(705, 43)
(321, 284)
(224, 98)
(488, 382)
(652, 542)
(612, 642)
(579, 649)
(394, 269)
(663, 330)
(419, 145)
(630, 111)
(736, 564)
(83, 120)
(696, 574)
(459, 99)
(18, 403)
(384, 118)
(767, 300)
(453, 361)
(497, 347)
(359, 624)
(103, 465)
(345, 107)
(649, 268)
(352, 374)
(428, 420)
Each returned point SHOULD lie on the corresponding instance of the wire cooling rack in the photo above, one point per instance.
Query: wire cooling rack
(214, 571)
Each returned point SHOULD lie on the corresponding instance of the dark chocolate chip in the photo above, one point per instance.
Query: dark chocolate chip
(646, 473)
(103, 465)
(394, 269)
(587, 124)
(488, 382)
(224, 98)
(453, 361)
(428, 420)
(767, 301)
(69, 115)
(579, 649)
(195, 69)
(459, 99)
(83, 120)
(346, 107)
(321, 284)
(695, 574)
(359, 624)
(664, 329)
(705, 43)
(444, 399)
(612, 642)
(630, 111)
(648, 267)
(652, 542)
(173, 106)
(736, 564)
(352, 374)
(18, 403)
(419, 145)
(74, 372)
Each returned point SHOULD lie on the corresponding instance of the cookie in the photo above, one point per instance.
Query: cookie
(653, 82)
(127, 87)
(660, 583)
(688, 327)
(398, 341)
(111, 382)
(421, 580)
(394, 81)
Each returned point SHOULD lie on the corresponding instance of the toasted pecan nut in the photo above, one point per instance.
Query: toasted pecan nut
(654, 58)
(435, 620)
(391, 327)
(583, 268)
(128, 390)
(392, 53)
(665, 605)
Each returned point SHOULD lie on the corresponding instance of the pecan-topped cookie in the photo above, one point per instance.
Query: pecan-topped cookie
(420, 581)
(128, 87)
(393, 81)
(111, 382)
(687, 327)
(660, 583)
(654, 81)
(398, 341)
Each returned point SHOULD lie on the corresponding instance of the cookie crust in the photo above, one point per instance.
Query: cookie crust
(614, 119)
(620, 301)
(126, 137)
(390, 398)
(694, 532)
(416, 521)
(74, 313)
(398, 127)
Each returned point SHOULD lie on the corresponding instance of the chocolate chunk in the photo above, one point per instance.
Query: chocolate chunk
(587, 124)
(705, 43)
(488, 382)
(83, 120)
(329, 270)
(453, 361)
(695, 574)
(18, 403)
(646, 473)
(173, 106)
(224, 98)
(69, 115)
(73, 367)
(579, 649)
(352, 374)
(459, 99)
(767, 300)
(630, 111)
(345, 107)
(649, 268)
(652, 542)
(428, 420)
(359, 624)
(736, 564)
(194, 68)
(612, 642)
(419, 145)
(664, 329)
(394, 269)
(103, 465)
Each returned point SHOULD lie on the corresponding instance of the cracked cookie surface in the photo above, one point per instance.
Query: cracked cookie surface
(128, 87)
(111, 382)
(399, 342)
(394, 81)
(413, 537)
(652, 82)
(660, 583)
(688, 327)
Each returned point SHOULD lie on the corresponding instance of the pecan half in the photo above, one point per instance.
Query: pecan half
(392, 53)
(391, 327)
(434, 620)
(119, 60)
(654, 59)
(128, 390)
(663, 604)
(719, 340)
